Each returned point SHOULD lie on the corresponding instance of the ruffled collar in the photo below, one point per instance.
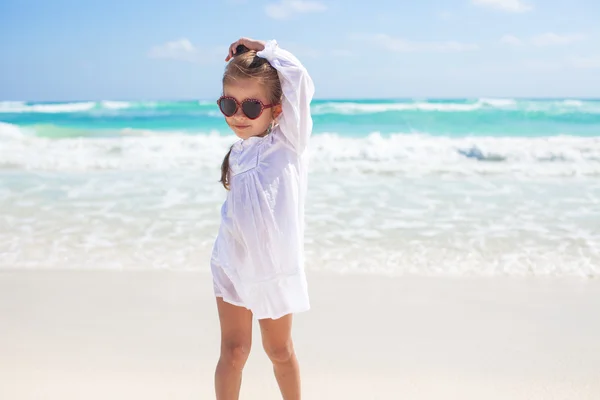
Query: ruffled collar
(251, 141)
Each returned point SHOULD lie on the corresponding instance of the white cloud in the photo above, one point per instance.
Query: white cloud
(401, 45)
(184, 50)
(286, 8)
(181, 49)
(511, 40)
(516, 6)
(586, 62)
(546, 39)
(591, 62)
(552, 39)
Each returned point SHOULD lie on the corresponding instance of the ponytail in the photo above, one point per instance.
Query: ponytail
(225, 170)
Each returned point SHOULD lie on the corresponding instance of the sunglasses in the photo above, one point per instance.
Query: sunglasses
(252, 108)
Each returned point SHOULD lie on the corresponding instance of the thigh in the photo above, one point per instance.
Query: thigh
(236, 324)
(276, 333)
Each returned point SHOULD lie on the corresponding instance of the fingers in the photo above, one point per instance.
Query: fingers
(231, 51)
(232, 48)
(234, 45)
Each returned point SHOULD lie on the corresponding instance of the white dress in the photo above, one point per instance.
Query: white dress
(258, 256)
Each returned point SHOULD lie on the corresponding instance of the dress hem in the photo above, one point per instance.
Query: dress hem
(273, 317)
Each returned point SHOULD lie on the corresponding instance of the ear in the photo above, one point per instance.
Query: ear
(277, 110)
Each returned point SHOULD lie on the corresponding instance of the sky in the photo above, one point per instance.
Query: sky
(59, 50)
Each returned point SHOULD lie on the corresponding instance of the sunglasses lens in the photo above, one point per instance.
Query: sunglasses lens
(227, 106)
(252, 108)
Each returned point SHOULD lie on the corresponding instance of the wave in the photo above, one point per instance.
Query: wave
(19, 107)
(115, 105)
(483, 104)
(319, 107)
(7, 106)
(573, 103)
(366, 108)
(498, 102)
(50, 108)
(404, 154)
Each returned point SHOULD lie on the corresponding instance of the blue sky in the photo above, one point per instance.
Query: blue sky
(75, 50)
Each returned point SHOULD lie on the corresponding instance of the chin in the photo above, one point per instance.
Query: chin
(245, 133)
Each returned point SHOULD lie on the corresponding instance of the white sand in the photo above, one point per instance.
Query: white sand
(154, 335)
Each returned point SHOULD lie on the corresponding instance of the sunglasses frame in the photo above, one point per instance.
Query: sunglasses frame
(239, 105)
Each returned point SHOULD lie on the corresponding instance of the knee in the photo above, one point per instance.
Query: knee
(280, 354)
(235, 354)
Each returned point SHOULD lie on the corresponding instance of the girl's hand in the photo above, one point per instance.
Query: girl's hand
(256, 45)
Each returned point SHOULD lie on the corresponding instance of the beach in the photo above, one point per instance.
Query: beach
(452, 249)
(154, 335)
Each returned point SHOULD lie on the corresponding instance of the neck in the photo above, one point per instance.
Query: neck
(265, 133)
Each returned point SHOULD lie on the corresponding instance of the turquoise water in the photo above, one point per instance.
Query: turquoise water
(349, 118)
(428, 187)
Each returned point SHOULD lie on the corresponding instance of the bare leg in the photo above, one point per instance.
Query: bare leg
(236, 340)
(277, 341)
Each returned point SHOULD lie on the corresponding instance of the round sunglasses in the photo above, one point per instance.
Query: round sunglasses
(252, 108)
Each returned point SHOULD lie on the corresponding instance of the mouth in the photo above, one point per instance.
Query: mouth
(241, 126)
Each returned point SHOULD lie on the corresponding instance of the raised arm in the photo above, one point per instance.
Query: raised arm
(295, 120)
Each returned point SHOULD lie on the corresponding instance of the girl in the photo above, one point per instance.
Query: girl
(257, 260)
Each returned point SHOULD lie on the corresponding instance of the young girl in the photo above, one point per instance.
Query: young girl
(257, 260)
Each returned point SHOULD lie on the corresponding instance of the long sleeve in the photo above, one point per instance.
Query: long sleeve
(295, 121)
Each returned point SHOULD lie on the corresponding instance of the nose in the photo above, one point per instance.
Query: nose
(239, 113)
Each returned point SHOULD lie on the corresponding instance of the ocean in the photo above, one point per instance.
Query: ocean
(453, 187)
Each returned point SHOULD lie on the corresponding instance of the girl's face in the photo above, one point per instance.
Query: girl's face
(244, 127)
